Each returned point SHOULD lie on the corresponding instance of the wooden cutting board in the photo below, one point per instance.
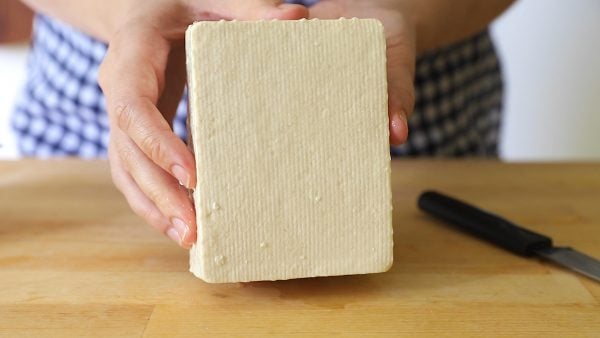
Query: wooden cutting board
(75, 261)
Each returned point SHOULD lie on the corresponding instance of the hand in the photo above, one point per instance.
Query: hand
(142, 77)
(401, 52)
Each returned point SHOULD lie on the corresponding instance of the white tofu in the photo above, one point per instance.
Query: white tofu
(290, 128)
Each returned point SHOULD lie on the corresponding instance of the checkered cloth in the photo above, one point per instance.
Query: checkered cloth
(62, 112)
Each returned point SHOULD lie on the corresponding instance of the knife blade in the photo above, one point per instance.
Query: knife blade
(506, 234)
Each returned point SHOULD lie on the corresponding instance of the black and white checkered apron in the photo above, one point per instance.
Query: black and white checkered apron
(62, 112)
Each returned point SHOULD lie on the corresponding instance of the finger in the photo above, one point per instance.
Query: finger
(132, 78)
(256, 9)
(151, 185)
(400, 62)
(398, 127)
(325, 10)
(285, 12)
(136, 199)
(401, 91)
(143, 206)
(175, 79)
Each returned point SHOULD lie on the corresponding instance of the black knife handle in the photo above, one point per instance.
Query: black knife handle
(483, 224)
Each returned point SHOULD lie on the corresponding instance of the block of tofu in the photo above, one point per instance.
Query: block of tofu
(289, 127)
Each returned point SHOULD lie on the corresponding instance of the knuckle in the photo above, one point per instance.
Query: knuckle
(117, 181)
(162, 198)
(124, 115)
(144, 210)
(140, 210)
(125, 154)
(148, 214)
(152, 146)
(117, 173)
(156, 195)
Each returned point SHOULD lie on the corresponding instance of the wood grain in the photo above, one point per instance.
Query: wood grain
(75, 261)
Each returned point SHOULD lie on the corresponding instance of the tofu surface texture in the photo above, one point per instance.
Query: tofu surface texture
(289, 125)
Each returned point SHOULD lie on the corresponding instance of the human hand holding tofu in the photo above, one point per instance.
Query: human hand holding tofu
(143, 77)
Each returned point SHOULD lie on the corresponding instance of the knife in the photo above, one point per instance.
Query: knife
(506, 234)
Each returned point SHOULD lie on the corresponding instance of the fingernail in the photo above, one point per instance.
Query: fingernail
(181, 175)
(181, 230)
(172, 234)
(396, 121)
(398, 128)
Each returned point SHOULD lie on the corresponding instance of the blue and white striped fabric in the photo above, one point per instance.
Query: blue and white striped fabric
(62, 112)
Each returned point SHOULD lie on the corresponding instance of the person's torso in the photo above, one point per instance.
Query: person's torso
(62, 111)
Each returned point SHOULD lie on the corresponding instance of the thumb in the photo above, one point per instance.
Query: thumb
(285, 12)
(326, 10)
(257, 9)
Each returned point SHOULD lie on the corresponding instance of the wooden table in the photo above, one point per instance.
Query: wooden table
(75, 261)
